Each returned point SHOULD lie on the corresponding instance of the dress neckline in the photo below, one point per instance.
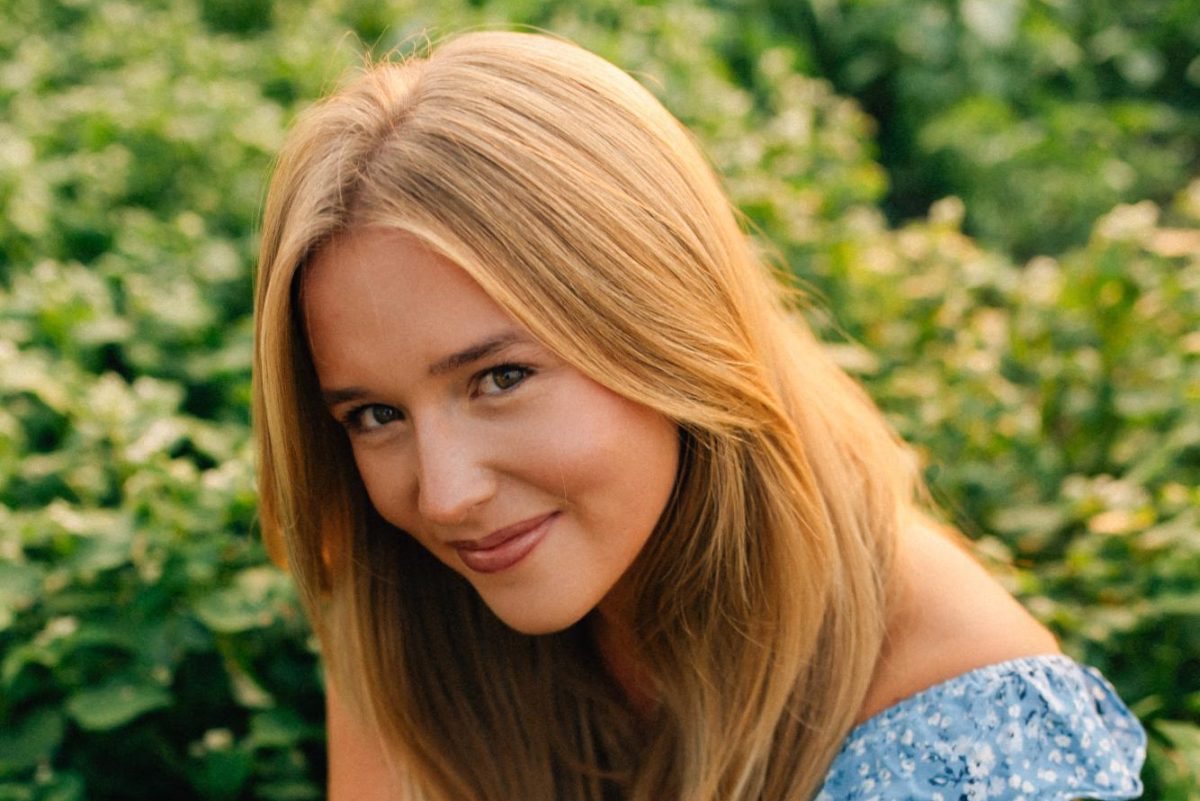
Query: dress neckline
(1047, 661)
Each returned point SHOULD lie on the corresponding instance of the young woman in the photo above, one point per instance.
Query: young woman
(579, 508)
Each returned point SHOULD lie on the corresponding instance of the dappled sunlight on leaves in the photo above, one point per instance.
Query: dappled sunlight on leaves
(147, 648)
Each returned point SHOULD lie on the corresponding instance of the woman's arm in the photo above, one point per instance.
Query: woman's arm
(359, 769)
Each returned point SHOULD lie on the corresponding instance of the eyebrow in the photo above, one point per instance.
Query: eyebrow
(474, 353)
(456, 360)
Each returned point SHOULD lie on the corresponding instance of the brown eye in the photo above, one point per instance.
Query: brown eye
(382, 415)
(502, 378)
(372, 416)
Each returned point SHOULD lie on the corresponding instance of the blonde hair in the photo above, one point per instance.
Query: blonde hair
(585, 210)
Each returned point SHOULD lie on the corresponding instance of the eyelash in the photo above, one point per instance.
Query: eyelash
(353, 419)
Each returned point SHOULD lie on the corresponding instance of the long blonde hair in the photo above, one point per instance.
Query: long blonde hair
(585, 210)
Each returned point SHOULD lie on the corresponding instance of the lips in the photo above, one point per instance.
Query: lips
(505, 547)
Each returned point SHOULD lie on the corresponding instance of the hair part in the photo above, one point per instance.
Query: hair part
(585, 211)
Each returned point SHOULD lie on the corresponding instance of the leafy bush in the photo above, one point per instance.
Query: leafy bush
(1040, 115)
(1057, 406)
(146, 647)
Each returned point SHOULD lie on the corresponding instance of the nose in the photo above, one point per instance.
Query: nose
(453, 477)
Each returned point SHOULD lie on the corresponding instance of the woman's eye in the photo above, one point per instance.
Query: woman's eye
(371, 417)
(502, 378)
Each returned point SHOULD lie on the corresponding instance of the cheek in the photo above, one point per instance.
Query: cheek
(653, 467)
(388, 487)
(624, 458)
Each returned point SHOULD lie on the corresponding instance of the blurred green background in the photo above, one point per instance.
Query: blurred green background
(993, 205)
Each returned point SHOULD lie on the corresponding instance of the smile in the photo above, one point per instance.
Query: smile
(504, 548)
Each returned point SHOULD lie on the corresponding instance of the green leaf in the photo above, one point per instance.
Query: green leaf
(279, 728)
(1185, 737)
(115, 704)
(288, 791)
(1038, 518)
(15, 792)
(221, 774)
(19, 586)
(247, 605)
(33, 740)
(230, 611)
(65, 787)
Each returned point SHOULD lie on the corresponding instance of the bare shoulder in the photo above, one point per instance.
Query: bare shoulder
(359, 769)
(950, 617)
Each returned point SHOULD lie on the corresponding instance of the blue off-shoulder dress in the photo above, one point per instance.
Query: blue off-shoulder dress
(1034, 729)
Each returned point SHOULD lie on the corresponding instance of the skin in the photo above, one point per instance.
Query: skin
(456, 449)
(949, 617)
(465, 427)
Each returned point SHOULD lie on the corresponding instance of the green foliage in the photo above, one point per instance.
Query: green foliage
(1056, 404)
(147, 649)
(1039, 115)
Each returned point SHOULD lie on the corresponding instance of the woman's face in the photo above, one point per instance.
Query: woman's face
(532, 481)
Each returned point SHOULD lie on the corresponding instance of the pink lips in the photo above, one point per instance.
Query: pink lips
(502, 549)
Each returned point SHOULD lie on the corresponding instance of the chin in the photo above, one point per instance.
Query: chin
(535, 621)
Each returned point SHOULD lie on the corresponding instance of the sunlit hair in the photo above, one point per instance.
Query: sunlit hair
(585, 210)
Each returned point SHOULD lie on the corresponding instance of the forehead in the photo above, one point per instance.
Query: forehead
(377, 292)
(381, 263)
